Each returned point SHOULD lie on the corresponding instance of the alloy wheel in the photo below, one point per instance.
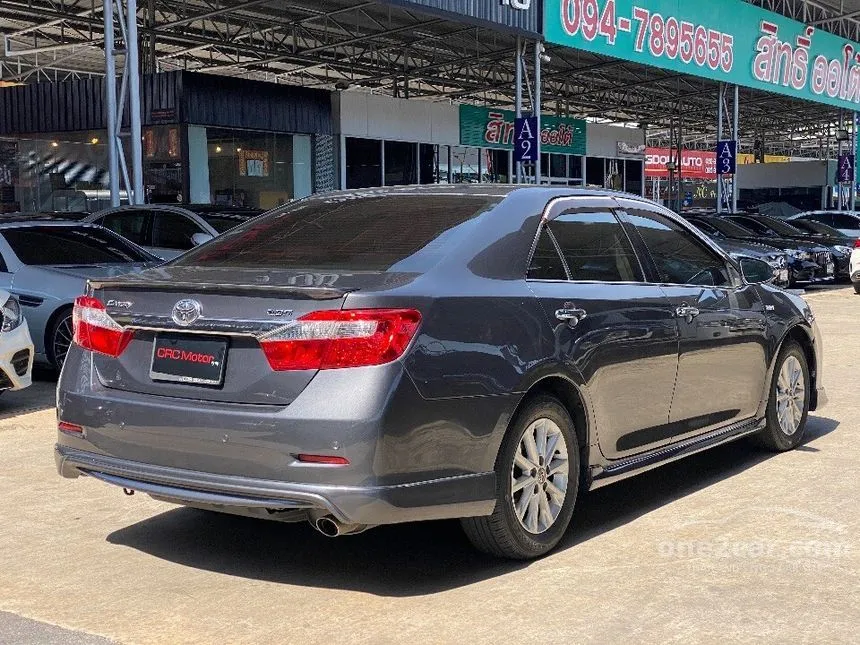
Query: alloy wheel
(790, 395)
(62, 341)
(539, 476)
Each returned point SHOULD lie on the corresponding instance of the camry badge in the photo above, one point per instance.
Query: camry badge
(186, 312)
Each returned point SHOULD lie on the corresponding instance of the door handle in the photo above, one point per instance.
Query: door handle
(687, 312)
(570, 316)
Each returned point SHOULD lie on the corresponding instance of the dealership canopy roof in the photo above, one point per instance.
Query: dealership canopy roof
(398, 50)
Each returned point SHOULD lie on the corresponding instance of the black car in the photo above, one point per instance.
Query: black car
(802, 265)
(738, 249)
(398, 354)
(843, 244)
(832, 260)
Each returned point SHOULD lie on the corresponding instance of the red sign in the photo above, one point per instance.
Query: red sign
(695, 164)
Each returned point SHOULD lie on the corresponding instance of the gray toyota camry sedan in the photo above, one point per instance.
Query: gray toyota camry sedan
(399, 354)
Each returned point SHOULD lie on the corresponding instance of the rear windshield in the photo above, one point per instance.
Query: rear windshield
(224, 221)
(355, 231)
(781, 227)
(730, 228)
(812, 226)
(65, 245)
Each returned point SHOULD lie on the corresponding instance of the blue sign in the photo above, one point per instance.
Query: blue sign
(845, 172)
(525, 139)
(688, 198)
(727, 157)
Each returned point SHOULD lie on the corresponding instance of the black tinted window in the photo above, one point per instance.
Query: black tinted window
(173, 231)
(398, 232)
(679, 257)
(753, 225)
(130, 224)
(546, 262)
(826, 218)
(596, 247)
(48, 245)
(705, 227)
(845, 221)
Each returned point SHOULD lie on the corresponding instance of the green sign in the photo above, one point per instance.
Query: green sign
(490, 128)
(724, 40)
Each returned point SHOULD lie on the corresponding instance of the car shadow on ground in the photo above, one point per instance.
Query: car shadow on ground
(41, 395)
(420, 558)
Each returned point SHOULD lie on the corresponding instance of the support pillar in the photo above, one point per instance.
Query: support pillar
(129, 89)
(537, 108)
(736, 109)
(720, 94)
(518, 100)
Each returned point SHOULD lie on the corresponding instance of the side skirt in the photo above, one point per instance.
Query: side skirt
(604, 474)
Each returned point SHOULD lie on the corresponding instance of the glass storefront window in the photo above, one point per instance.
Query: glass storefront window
(466, 165)
(250, 168)
(496, 163)
(363, 163)
(595, 171)
(400, 166)
(54, 172)
(633, 176)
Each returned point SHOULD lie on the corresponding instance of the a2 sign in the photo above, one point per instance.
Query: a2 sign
(525, 139)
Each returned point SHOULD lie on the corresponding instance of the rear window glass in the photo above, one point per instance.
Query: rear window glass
(225, 222)
(65, 245)
(366, 233)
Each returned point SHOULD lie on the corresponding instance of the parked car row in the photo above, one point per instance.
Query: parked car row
(811, 251)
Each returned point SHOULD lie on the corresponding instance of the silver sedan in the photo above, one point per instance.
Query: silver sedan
(46, 264)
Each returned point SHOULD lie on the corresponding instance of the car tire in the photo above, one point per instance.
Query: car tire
(61, 332)
(786, 413)
(857, 288)
(544, 517)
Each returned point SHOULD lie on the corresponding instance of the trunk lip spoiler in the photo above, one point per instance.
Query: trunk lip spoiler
(225, 288)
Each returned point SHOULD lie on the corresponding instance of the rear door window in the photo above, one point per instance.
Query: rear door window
(132, 225)
(369, 232)
(846, 221)
(596, 248)
(678, 256)
(173, 231)
(546, 263)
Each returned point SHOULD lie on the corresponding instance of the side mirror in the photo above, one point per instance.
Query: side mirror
(201, 238)
(756, 271)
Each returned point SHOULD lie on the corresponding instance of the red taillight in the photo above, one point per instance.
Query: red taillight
(323, 459)
(96, 330)
(857, 243)
(70, 428)
(341, 338)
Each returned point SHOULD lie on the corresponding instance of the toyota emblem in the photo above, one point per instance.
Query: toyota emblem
(186, 312)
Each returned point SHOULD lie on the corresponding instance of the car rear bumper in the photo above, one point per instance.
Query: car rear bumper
(448, 497)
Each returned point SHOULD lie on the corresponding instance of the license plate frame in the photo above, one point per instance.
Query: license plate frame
(184, 352)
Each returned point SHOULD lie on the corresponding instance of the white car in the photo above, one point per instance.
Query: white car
(846, 222)
(16, 347)
(168, 231)
(854, 267)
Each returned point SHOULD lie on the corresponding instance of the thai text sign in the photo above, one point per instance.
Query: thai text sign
(489, 128)
(724, 40)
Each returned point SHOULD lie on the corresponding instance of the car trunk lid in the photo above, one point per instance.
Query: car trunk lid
(234, 308)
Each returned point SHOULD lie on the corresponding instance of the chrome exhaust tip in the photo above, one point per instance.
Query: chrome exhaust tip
(331, 527)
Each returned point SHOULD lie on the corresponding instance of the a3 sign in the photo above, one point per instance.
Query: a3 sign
(727, 157)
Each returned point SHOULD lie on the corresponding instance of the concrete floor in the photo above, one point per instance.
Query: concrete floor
(726, 547)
